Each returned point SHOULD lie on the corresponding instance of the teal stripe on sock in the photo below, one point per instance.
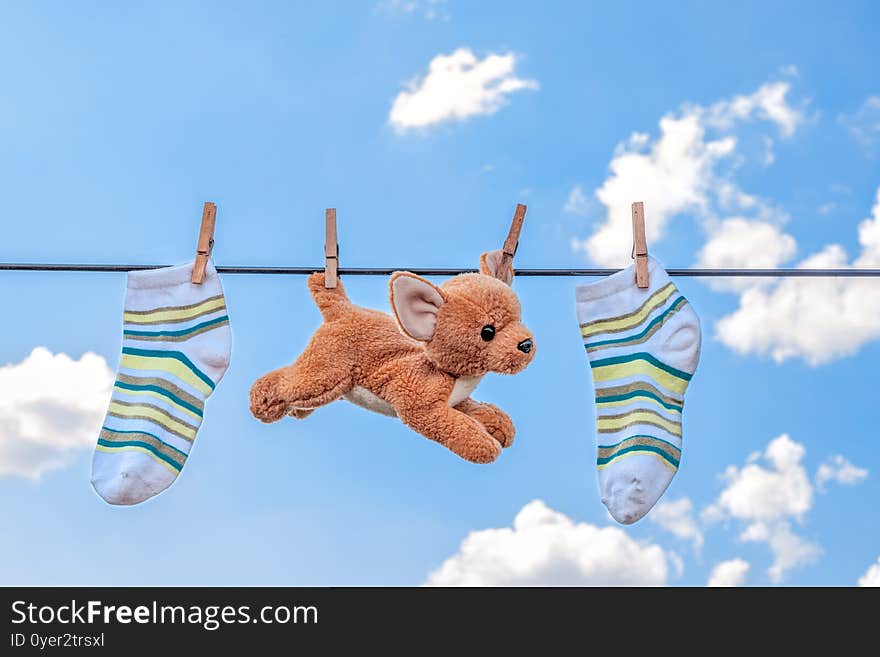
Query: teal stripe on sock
(174, 334)
(136, 443)
(638, 448)
(146, 433)
(630, 338)
(153, 353)
(639, 393)
(164, 393)
(639, 435)
(641, 355)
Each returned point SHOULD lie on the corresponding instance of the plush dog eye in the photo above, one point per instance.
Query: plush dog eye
(488, 332)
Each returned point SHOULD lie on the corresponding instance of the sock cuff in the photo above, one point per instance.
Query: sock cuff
(622, 281)
(167, 277)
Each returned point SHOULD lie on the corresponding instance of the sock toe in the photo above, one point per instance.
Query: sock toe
(123, 484)
(625, 501)
(632, 489)
(124, 489)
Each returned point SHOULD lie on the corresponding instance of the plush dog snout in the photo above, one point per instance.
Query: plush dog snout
(525, 346)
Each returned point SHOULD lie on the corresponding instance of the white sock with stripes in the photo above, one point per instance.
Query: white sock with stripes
(643, 346)
(175, 349)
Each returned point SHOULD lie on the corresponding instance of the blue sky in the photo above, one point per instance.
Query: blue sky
(118, 122)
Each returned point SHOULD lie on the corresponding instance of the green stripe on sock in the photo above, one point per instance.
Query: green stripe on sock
(639, 393)
(639, 337)
(147, 446)
(639, 442)
(174, 334)
(176, 355)
(641, 355)
(638, 448)
(165, 393)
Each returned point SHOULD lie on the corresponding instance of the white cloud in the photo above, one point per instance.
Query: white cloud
(51, 407)
(680, 171)
(790, 319)
(729, 573)
(677, 517)
(766, 497)
(456, 87)
(429, 9)
(827, 208)
(768, 103)
(839, 469)
(742, 243)
(770, 493)
(755, 492)
(547, 548)
(789, 549)
(871, 576)
(577, 202)
(864, 123)
(398, 6)
(791, 71)
(671, 177)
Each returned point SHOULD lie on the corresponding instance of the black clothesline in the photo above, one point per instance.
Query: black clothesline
(445, 271)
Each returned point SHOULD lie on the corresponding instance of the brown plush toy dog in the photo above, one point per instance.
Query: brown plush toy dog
(420, 365)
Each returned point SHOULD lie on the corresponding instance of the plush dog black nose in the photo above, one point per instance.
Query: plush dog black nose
(525, 346)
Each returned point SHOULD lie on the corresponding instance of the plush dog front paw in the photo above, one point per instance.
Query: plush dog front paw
(496, 421)
(484, 449)
(498, 424)
(267, 402)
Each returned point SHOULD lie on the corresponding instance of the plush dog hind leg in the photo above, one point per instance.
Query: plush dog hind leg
(495, 421)
(453, 429)
(312, 381)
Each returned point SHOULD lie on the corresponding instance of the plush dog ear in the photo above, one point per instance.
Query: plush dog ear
(490, 262)
(416, 303)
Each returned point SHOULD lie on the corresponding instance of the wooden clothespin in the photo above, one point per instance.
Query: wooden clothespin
(640, 244)
(331, 249)
(511, 243)
(206, 242)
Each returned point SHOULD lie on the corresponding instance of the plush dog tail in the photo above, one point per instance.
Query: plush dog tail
(330, 301)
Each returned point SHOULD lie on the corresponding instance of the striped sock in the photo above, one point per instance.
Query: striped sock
(643, 346)
(175, 349)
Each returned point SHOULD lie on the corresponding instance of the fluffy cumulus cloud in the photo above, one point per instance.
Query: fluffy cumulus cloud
(732, 572)
(777, 489)
(790, 319)
(681, 171)
(789, 549)
(688, 169)
(457, 86)
(547, 548)
(738, 242)
(871, 576)
(51, 407)
(677, 517)
(769, 494)
(768, 103)
(672, 175)
(838, 469)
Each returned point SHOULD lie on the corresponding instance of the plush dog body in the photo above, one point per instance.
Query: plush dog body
(421, 364)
